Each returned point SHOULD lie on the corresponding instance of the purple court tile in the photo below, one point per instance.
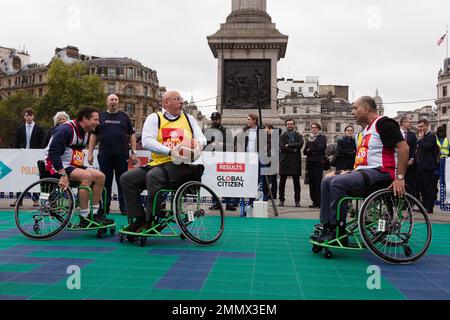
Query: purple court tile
(426, 295)
(39, 278)
(191, 270)
(11, 298)
(8, 276)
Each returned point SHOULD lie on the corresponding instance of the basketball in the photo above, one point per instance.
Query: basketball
(188, 146)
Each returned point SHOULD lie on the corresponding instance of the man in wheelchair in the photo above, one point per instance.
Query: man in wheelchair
(64, 158)
(175, 140)
(381, 160)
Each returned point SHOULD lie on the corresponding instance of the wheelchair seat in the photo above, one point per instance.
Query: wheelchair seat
(377, 187)
(43, 174)
(195, 174)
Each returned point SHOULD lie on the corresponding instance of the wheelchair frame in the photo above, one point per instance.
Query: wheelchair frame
(93, 226)
(353, 230)
(170, 218)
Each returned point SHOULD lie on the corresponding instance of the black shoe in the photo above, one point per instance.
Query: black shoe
(215, 207)
(231, 208)
(281, 204)
(84, 223)
(133, 227)
(328, 234)
(102, 219)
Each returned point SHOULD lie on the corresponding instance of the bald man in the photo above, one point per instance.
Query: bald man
(162, 134)
(115, 133)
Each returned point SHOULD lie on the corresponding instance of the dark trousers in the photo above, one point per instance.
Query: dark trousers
(153, 179)
(426, 183)
(410, 180)
(296, 181)
(273, 185)
(315, 180)
(110, 166)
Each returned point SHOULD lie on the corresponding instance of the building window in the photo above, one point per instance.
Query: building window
(129, 73)
(111, 88)
(130, 108)
(300, 89)
(292, 89)
(444, 110)
(41, 92)
(308, 109)
(307, 127)
(130, 91)
(444, 91)
(145, 91)
(112, 72)
(325, 128)
(284, 110)
(338, 127)
(294, 109)
(311, 89)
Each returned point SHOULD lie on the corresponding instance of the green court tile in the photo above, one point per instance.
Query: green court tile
(383, 294)
(89, 280)
(62, 293)
(332, 282)
(93, 271)
(223, 296)
(324, 292)
(276, 288)
(228, 286)
(276, 297)
(131, 283)
(111, 293)
(21, 289)
(234, 268)
(275, 278)
(174, 295)
(17, 267)
(225, 276)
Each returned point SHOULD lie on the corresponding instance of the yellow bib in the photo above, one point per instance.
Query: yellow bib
(170, 134)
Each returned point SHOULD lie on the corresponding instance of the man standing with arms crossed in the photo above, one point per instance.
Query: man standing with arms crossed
(114, 133)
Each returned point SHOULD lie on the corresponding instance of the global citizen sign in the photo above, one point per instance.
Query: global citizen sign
(231, 167)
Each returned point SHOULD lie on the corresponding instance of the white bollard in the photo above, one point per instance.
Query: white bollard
(260, 209)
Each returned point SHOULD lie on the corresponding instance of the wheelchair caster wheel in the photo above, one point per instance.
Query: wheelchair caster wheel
(112, 230)
(131, 239)
(183, 237)
(408, 251)
(142, 241)
(122, 238)
(328, 254)
(316, 249)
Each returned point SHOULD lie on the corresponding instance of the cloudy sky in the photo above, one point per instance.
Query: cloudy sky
(391, 45)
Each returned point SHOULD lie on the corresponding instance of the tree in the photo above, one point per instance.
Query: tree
(70, 88)
(12, 117)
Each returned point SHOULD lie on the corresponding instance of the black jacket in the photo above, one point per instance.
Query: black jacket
(211, 134)
(411, 140)
(345, 153)
(290, 156)
(427, 153)
(37, 137)
(315, 151)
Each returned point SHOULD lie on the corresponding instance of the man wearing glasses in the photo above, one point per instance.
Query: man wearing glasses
(164, 134)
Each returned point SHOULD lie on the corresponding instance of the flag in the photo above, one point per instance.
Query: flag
(441, 39)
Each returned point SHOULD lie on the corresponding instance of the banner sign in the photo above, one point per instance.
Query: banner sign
(227, 174)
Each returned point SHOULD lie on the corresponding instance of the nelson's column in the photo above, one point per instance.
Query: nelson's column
(248, 47)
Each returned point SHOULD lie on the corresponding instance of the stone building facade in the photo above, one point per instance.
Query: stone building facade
(136, 85)
(443, 96)
(427, 112)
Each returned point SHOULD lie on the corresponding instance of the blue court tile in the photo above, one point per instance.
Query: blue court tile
(11, 298)
(427, 295)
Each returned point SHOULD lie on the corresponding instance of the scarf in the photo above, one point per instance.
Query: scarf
(314, 136)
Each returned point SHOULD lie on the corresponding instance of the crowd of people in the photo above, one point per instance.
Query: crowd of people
(296, 156)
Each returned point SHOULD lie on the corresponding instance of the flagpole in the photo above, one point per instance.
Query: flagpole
(447, 42)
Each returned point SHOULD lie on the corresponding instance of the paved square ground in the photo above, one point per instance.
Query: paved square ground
(254, 259)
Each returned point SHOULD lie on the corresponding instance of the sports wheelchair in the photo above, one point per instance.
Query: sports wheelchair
(44, 209)
(396, 230)
(182, 209)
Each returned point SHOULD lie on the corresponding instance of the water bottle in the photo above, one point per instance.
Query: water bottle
(242, 208)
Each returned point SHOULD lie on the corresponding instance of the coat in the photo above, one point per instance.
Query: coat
(427, 153)
(315, 151)
(290, 156)
(345, 153)
(37, 137)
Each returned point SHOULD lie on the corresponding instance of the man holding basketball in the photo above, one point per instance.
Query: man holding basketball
(175, 140)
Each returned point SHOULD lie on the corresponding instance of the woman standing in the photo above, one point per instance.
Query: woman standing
(346, 151)
(59, 118)
(315, 160)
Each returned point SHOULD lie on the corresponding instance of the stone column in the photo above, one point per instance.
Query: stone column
(260, 5)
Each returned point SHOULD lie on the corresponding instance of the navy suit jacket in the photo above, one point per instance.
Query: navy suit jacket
(37, 137)
(427, 153)
(411, 140)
